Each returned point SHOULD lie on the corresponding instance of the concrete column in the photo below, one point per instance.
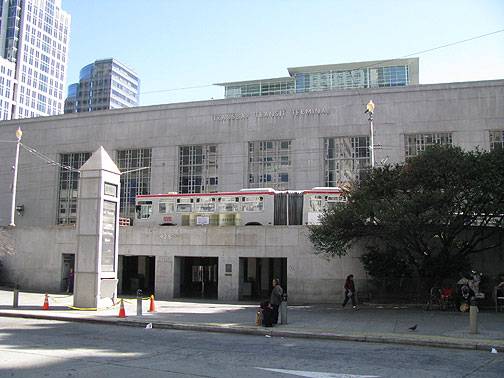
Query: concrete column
(473, 317)
(228, 285)
(165, 276)
(96, 259)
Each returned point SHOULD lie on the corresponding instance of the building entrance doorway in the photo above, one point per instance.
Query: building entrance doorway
(196, 277)
(136, 272)
(256, 275)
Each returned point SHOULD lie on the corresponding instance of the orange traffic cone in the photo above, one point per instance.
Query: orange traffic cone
(122, 313)
(46, 303)
(152, 307)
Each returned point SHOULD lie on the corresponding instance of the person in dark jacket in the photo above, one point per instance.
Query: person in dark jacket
(70, 281)
(276, 298)
(350, 291)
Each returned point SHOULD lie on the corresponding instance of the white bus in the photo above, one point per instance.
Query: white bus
(243, 208)
(318, 200)
(263, 206)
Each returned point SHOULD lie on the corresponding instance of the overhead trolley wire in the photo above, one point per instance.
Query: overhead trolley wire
(420, 52)
(51, 162)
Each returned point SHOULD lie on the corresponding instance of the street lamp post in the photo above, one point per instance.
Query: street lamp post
(370, 110)
(19, 134)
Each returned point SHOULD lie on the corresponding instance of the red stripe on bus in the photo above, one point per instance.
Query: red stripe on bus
(204, 194)
(317, 192)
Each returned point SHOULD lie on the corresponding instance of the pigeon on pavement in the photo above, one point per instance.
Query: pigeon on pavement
(413, 328)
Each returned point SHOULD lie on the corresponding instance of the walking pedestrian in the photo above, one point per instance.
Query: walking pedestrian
(276, 298)
(350, 291)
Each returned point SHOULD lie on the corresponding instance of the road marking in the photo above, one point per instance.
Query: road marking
(316, 374)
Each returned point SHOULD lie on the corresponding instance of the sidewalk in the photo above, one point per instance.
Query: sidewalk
(371, 323)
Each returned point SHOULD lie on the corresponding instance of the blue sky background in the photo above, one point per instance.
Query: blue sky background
(187, 43)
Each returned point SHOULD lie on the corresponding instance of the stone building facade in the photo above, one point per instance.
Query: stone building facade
(287, 142)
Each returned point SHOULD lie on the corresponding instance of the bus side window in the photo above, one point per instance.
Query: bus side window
(228, 204)
(184, 208)
(252, 204)
(205, 207)
(335, 201)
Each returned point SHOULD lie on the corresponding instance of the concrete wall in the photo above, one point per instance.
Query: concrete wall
(37, 263)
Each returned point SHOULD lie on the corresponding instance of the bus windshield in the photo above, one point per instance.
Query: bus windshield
(166, 207)
(316, 204)
(143, 209)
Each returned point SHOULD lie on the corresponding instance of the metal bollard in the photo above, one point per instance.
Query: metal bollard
(283, 310)
(473, 317)
(139, 302)
(15, 300)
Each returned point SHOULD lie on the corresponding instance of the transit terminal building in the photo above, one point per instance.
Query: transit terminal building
(289, 141)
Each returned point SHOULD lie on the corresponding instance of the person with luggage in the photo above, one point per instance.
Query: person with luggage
(276, 298)
(266, 314)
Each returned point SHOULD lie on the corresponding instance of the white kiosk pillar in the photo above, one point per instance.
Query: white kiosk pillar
(97, 231)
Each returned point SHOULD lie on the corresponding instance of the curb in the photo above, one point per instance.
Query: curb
(447, 342)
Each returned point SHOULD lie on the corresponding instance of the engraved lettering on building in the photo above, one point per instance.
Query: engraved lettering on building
(230, 117)
(271, 114)
(309, 112)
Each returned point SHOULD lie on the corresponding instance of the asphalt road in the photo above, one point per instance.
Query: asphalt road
(34, 348)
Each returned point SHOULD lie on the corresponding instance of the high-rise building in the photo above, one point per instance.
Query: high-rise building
(104, 84)
(7, 70)
(34, 36)
(372, 74)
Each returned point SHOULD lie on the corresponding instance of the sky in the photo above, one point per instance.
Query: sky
(176, 44)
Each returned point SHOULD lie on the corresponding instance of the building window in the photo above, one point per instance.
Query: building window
(356, 78)
(496, 139)
(346, 159)
(198, 169)
(389, 76)
(416, 143)
(69, 186)
(134, 180)
(269, 164)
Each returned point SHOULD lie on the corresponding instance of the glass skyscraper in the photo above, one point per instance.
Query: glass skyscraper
(7, 71)
(34, 36)
(104, 84)
(373, 74)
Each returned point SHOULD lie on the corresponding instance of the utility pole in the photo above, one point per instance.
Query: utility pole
(19, 134)
(370, 109)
